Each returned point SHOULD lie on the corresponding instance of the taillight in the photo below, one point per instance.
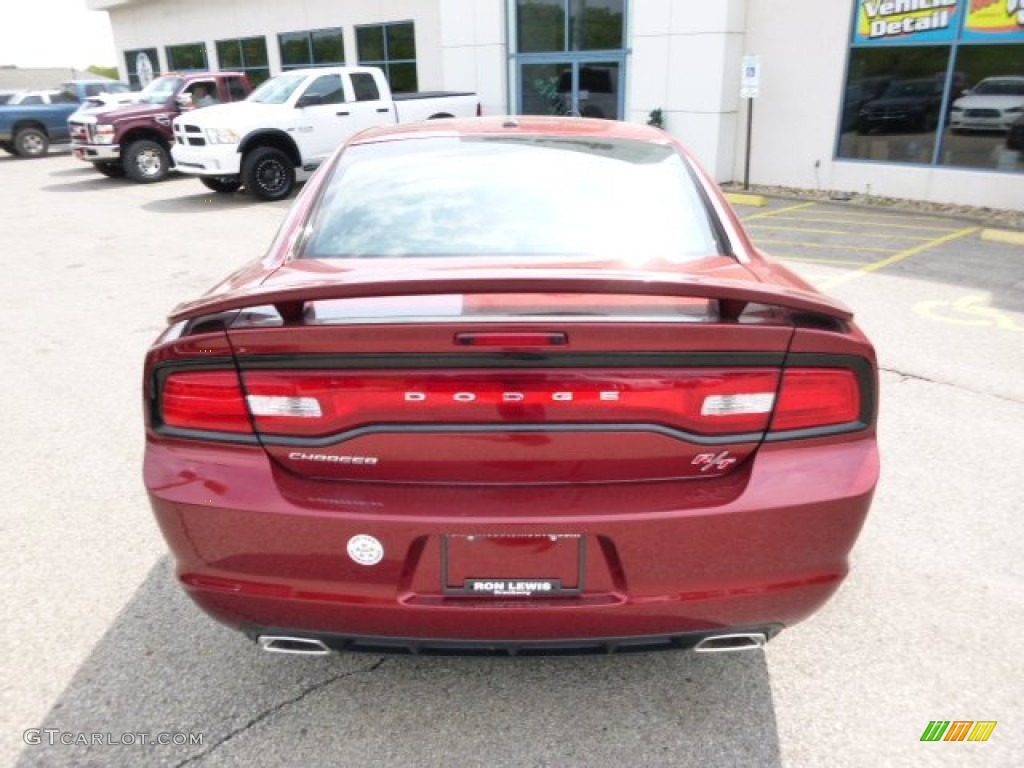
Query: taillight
(704, 401)
(204, 400)
(816, 397)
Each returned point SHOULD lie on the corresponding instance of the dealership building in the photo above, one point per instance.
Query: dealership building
(901, 98)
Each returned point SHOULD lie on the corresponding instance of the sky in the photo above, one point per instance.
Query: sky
(55, 33)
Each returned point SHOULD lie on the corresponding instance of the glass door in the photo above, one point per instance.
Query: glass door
(577, 86)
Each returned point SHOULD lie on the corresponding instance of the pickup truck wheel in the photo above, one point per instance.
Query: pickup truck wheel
(268, 174)
(110, 170)
(31, 142)
(146, 161)
(223, 184)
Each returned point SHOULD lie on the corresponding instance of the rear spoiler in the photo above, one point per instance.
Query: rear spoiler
(732, 295)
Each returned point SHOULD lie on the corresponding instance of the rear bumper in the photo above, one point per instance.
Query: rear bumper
(210, 160)
(257, 548)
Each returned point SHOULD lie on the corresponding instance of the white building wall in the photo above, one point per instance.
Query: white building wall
(164, 22)
(474, 51)
(803, 48)
(686, 61)
(684, 58)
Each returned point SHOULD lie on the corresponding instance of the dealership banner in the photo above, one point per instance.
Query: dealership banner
(998, 20)
(889, 22)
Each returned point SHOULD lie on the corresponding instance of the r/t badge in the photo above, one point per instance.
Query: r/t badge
(707, 461)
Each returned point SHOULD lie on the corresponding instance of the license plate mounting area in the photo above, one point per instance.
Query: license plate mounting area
(520, 565)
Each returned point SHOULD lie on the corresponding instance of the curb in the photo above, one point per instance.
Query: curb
(1003, 236)
(736, 198)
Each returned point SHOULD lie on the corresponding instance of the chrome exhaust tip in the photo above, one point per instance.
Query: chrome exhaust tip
(302, 646)
(738, 641)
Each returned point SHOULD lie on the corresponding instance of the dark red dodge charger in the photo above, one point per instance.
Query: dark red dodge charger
(511, 385)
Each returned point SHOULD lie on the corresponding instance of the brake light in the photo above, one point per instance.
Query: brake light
(205, 400)
(816, 397)
(704, 401)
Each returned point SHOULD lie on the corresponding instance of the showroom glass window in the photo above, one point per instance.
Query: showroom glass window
(937, 86)
(182, 58)
(570, 57)
(312, 48)
(247, 54)
(392, 47)
(144, 59)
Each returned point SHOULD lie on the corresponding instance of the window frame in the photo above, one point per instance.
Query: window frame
(960, 38)
(252, 71)
(200, 46)
(386, 63)
(308, 35)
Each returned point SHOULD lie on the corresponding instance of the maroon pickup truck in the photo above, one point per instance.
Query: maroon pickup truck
(135, 140)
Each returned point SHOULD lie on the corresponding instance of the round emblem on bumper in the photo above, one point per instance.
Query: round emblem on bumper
(365, 549)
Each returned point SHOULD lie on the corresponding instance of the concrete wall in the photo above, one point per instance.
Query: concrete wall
(474, 51)
(803, 47)
(686, 61)
(147, 24)
(684, 58)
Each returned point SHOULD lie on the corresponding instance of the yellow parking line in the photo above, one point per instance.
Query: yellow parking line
(851, 233)
(897, 257)
(861, 216)
(812, 260)
(876, 222)
(777, 211)
(829, 246)
(801, 229)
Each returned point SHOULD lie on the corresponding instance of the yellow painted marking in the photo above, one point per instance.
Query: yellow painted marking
(847, 233)
(898, 257)
(777, 211)
(967, 310)
(1003, 236)
(864, 215)
(830, 246)
(865, 222)
(758, 201)
(799, 229)
(812, 260)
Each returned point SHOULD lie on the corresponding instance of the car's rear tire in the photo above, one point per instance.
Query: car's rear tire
(268, 174)
(226, 185)
(146, 161)
(31, 142)
(110, 170)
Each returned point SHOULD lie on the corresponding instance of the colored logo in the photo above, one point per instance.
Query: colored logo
(958, 730)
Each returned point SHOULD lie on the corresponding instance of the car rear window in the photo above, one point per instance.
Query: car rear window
(509, 196)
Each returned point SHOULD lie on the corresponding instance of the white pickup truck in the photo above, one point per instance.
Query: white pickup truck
(292, 123)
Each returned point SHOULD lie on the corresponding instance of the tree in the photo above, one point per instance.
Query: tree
(110, 72)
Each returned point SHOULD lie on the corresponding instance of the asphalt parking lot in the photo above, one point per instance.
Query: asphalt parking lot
(98, 639)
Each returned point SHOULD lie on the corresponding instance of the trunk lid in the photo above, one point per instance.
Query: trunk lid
(509, 376)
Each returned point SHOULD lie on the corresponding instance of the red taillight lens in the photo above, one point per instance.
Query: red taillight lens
(705, 401)
(206, 400)
(816, 397)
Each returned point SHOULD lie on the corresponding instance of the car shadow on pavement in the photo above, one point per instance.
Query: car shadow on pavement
(86, 183)
(164, 668)
(82, 169)
(206, 200)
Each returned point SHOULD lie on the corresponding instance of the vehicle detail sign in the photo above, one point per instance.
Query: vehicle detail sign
(995, 20)
(904, 21)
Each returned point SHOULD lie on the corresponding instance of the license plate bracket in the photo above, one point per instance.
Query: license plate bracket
(531, 566)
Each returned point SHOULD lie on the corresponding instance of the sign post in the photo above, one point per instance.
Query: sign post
(750, 88)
